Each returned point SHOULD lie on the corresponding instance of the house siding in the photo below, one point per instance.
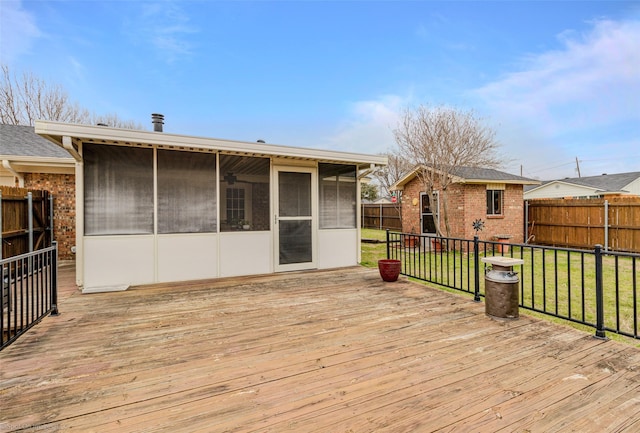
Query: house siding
(467, 203)
(63, 188)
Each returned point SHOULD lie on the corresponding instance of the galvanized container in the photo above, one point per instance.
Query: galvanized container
(501, 294)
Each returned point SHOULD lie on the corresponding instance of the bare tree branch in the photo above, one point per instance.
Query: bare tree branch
(437, 140)
(27, 98)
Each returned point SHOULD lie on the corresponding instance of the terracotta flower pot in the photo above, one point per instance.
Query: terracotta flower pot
(389, 269)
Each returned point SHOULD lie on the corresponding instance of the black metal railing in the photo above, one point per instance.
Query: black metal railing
(596, 288)
(29, 292)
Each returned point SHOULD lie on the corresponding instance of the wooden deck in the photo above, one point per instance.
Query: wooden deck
(330, 351)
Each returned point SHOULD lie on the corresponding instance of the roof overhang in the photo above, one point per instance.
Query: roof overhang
(56, 131)
(35, 164)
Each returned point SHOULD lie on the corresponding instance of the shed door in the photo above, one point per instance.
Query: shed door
(295, 218)
(429, 212)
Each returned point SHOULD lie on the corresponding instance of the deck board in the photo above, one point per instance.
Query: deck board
(324, 351)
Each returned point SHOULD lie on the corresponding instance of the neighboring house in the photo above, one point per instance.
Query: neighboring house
(619, 184)
(156, 207)
(489, 195)
(32, 162)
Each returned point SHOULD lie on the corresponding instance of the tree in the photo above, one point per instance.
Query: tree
(368, 192)
(26, 98)
(437, 140)
(397, 167)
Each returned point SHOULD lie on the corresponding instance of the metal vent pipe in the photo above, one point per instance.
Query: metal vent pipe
(158, 121)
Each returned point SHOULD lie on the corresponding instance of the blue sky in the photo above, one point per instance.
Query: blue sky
(556, 80)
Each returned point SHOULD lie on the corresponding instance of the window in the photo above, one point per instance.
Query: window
(338, 190)
(494, 202)
(186, 192)
(118, 190)
(244, 193)
(235, 204)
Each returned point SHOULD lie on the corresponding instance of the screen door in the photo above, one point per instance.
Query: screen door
(294, 220)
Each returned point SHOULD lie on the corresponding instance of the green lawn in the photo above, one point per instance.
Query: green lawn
(556, 282)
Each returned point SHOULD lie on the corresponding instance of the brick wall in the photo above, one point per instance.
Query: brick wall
(63, 188)
(466, 203)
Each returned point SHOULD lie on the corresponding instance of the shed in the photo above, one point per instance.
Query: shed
(156, 207)
(491, 195)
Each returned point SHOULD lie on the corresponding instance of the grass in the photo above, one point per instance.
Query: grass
(372, 252)
(553, 282)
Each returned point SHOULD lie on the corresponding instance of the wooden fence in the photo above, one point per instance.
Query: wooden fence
(613, 223)
(27, 220)
(381, 216)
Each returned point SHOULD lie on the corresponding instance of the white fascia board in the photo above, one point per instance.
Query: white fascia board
(101, 134)
(39, 160)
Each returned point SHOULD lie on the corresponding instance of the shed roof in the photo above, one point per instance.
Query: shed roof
(55, 131)
(473, 175)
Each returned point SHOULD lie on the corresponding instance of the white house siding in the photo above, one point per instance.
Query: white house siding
(634, 187)
(245, 253)
(559, 190)
(181, 257)
(112, 261)
(336, 248)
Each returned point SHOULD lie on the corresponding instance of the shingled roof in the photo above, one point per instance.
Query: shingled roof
(605, 182)
(473, 175)
(601, 184)
(18, 140)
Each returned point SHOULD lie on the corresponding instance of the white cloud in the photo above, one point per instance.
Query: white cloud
(167, 27)
(572, 102)
(18, 30)
(370, 126)
(593, 79)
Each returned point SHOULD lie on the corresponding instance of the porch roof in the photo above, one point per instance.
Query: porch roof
(56, 131)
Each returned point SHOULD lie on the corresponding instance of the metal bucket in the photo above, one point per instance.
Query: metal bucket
(501, 294)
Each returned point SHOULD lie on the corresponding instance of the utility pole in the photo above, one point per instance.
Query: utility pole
(578, 166)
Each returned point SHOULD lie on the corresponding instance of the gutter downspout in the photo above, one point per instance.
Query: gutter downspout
(7, 165)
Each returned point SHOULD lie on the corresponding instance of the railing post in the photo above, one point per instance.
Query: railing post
(388, 249)
(600, 333)
(51, 233)
(476, 267)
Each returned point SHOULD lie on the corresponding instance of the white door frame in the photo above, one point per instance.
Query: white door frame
(313, 171)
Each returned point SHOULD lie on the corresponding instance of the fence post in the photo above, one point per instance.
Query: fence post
(1, 230)
(600, 333)
(606, 225)
(388, 249)
(476, 267)
(30, 223)
(54, 279)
